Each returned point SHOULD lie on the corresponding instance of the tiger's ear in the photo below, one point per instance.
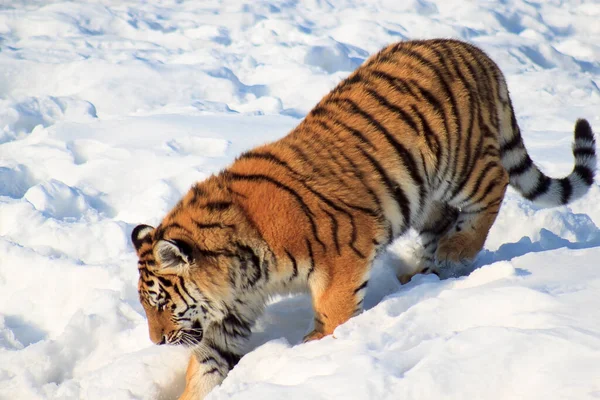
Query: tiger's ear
(140, 234)
(173, 256)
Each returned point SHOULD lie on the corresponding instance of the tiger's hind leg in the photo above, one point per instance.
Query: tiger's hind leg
(440, 219)
(461, 244)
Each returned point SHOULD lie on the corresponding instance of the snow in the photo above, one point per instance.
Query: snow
(111, 109)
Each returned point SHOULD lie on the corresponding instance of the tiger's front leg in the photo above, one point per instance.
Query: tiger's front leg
(208, 366)
(338, 292)
(189, 392)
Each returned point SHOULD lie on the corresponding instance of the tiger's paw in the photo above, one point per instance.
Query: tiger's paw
(426, 269)
(314, 335)
(457, 248)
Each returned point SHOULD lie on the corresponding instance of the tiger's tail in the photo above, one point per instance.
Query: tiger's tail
(527, 178)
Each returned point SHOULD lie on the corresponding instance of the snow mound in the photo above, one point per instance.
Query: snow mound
(332, 58)
(18, 118)
(57, 200)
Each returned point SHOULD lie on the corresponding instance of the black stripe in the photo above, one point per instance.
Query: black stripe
(331, 117)
(353, 241)
(164, 281)
(425, 168)
(584, 151)
(202, 225)
(334, 153)
(145, 253)
(318, 324)
(208, 359)
(516, 141)
(294, 265)
(394, 109)
(429, 134)
(404, 87)
(215, 253)
(326, 146)
(361, 177)
(334, 230)
(361, 287)
(485, 67)
(198, 192)
(490, 150)
(566, 190)
(521, 167)
(279, 185)
(176, 288)
(358, 306)
(490, 204)
(541, 188)
(314, 141)
(268, 156)
(303, 157)
(400, 149)
(344, 85)
(212, 371)
(311, 258)
(493, 183)
(431, 242)
(482, 175)
(230, 358)
(364, 210)
(586, 174)
(254, 260)
(394, 190)
(235, 326)
(469, 163)
(161, 230)
(217, 205)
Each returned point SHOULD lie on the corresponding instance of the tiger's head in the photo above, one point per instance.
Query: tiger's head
(174, 305)
(195, 266)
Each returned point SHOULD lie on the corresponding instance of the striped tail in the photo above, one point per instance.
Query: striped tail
(542, 190)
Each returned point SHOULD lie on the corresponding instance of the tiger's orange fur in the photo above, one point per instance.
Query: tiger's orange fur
(422, 135)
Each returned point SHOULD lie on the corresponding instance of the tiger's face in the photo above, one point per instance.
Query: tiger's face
(177, 308)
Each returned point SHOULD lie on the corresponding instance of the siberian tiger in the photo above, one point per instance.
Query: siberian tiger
(422, 135)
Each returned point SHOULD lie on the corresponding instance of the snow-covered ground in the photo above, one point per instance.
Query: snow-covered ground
(111, 109)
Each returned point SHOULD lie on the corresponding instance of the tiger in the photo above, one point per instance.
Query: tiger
(422, 136)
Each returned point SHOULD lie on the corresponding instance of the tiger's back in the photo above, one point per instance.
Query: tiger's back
(421, 130)
(422, 135)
